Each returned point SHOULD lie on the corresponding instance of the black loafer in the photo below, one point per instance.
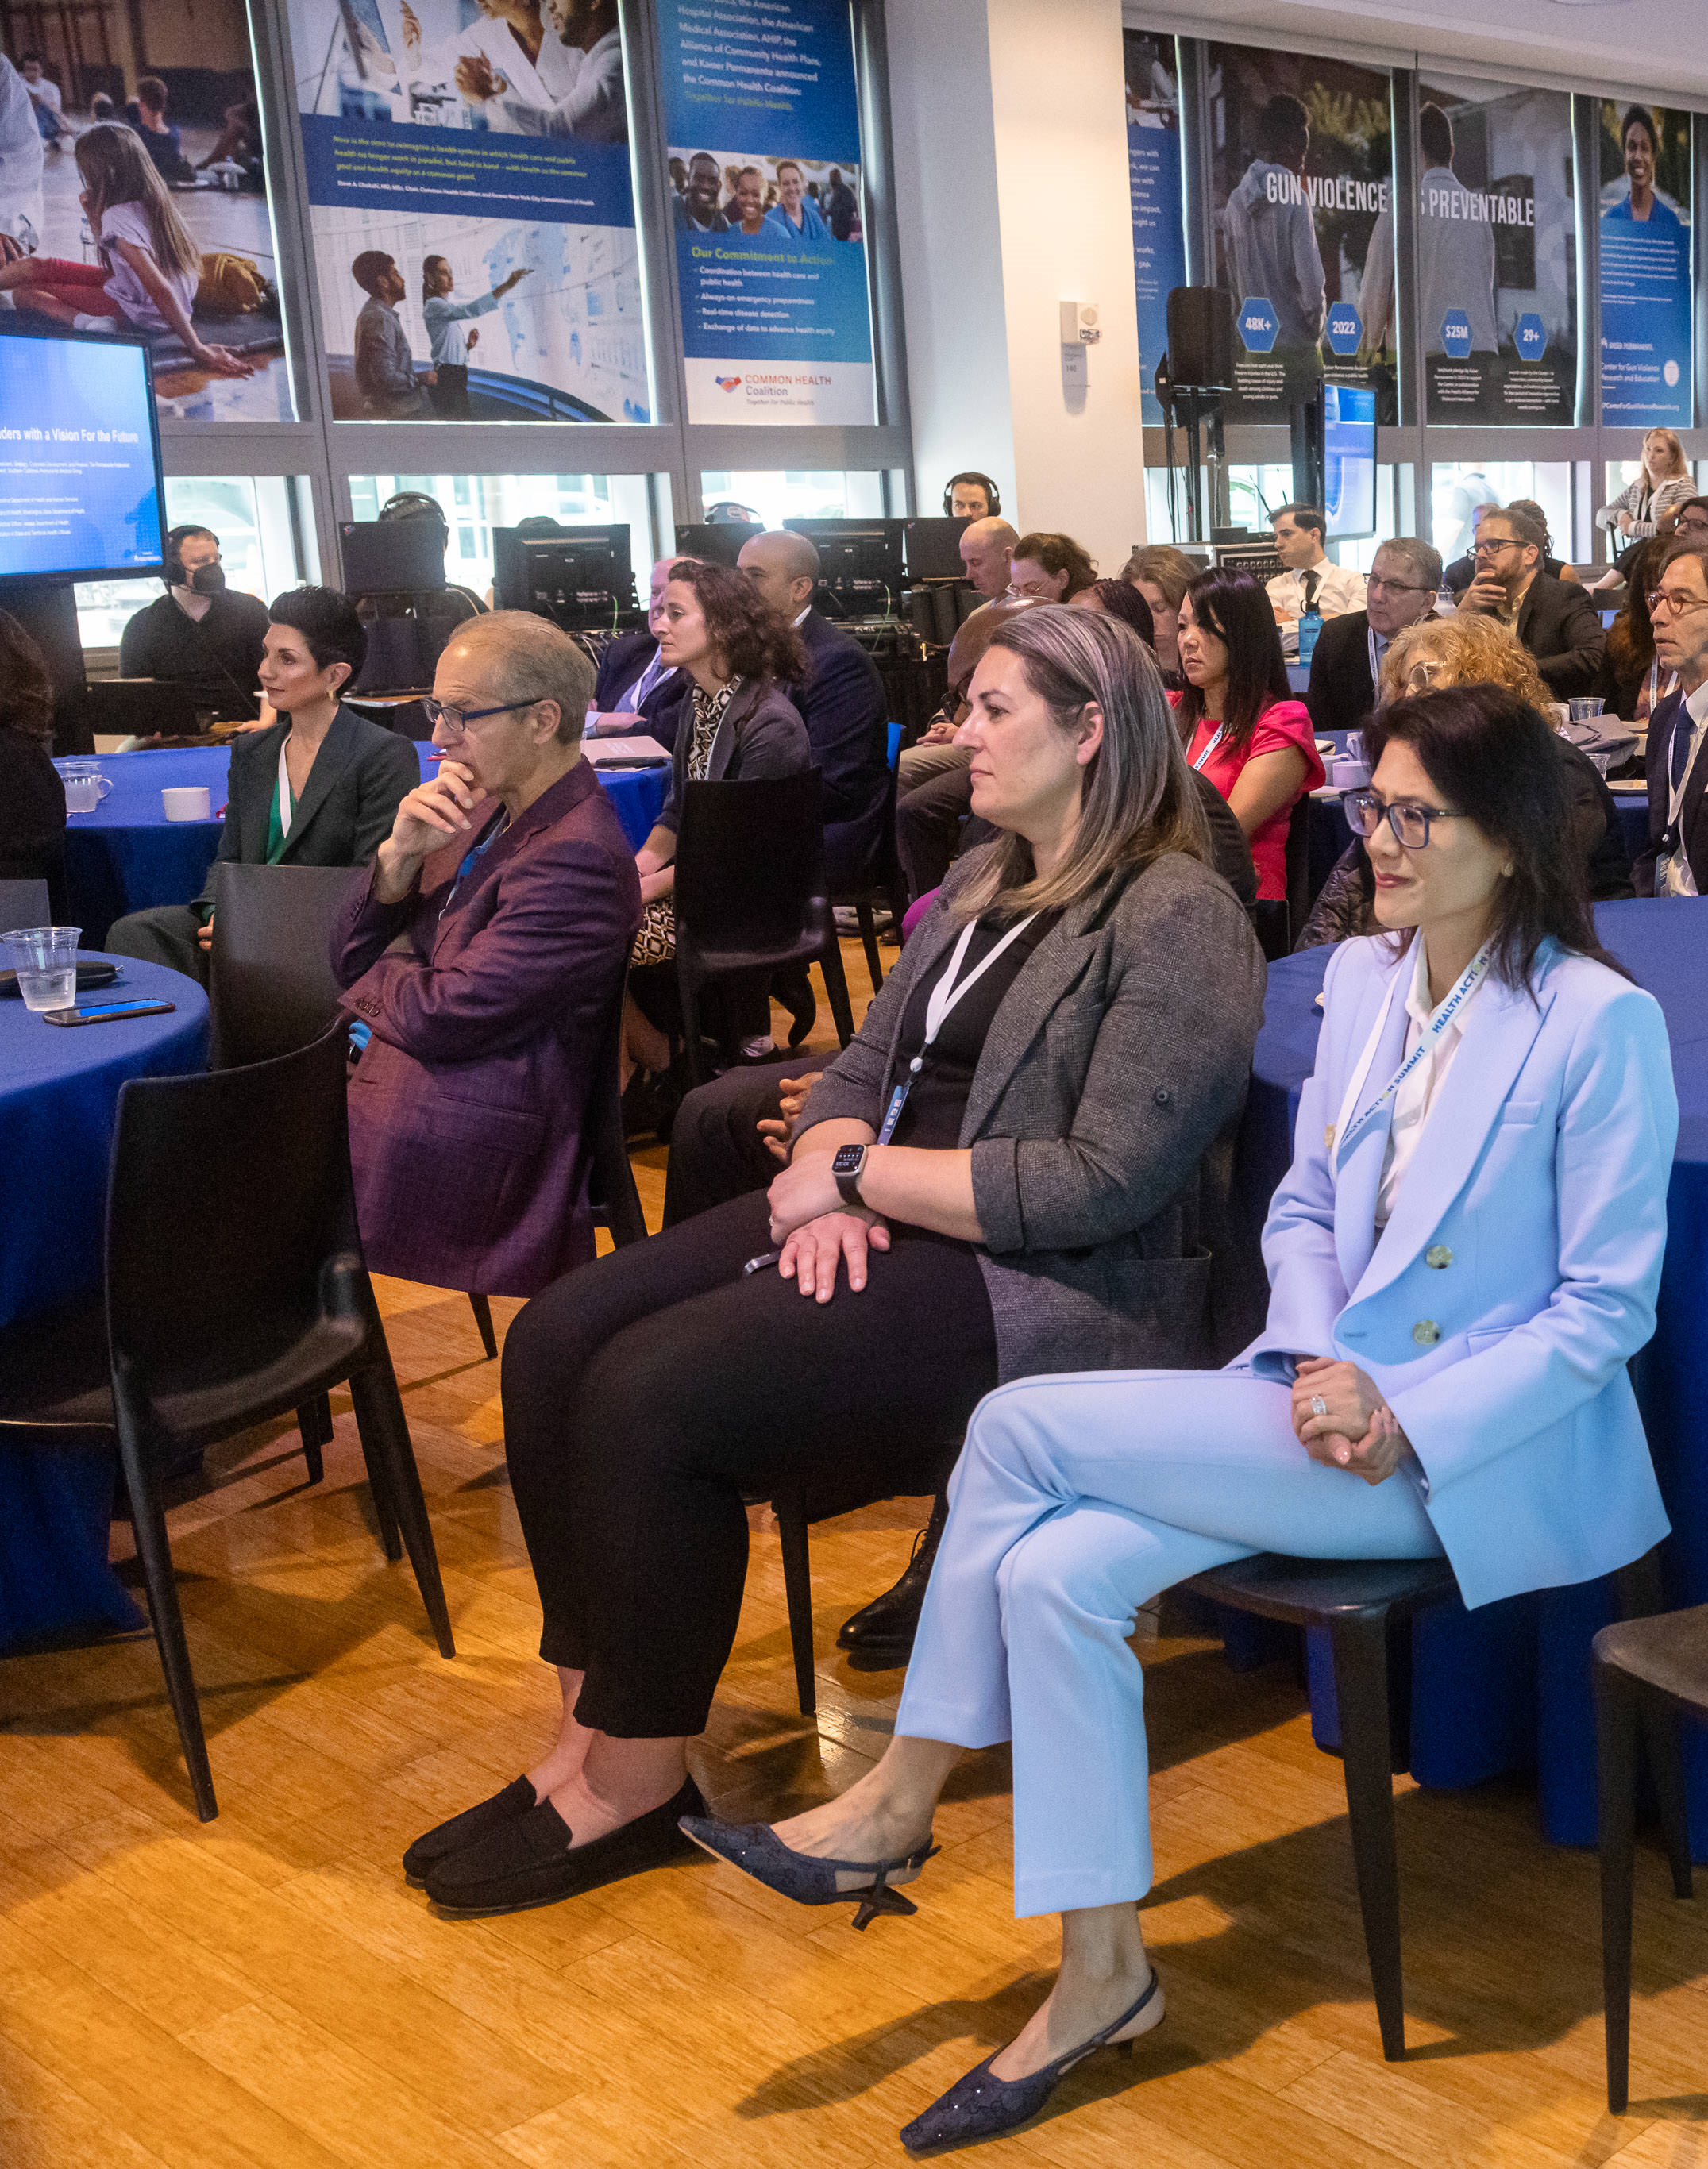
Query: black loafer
(529, 1862)
(509, 1806)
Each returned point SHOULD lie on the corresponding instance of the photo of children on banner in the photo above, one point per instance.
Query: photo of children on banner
(149, 215)
(801, 200)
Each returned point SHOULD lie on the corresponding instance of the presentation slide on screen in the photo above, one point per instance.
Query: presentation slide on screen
(1349, 460)
(77, 488)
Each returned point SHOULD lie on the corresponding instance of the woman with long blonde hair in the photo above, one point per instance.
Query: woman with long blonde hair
(1650, 506)
(150, 265)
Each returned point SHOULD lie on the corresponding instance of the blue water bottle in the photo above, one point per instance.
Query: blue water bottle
(1309, 625)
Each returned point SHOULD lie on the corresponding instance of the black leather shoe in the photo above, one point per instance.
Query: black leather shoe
(889, 1622)
(982, 2105)
(529, 1862)
(509, 1806)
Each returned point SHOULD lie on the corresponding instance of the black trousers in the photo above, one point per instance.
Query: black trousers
(648, 1394)
(928, 828)
(168, 934)
(716, 1150)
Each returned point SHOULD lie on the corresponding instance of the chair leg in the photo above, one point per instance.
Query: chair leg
(314, 1428)
(379, 1407)
(1616, 1707)
(483, 1317)
(798, 1586)
(154, 1550)
(688, 994)
(836, 987)
(380, 1491)
(1642, 1597)
(1360, 1645)
(868, 937)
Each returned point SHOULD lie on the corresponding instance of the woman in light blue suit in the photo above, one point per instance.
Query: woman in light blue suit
(1462, 1259)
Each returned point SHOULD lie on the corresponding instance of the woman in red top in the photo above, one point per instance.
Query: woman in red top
(1242, 728)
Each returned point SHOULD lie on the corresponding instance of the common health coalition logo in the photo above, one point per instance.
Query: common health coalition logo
(779, 391)
(726, 383)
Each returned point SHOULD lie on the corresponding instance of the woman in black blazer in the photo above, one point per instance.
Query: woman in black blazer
(738, 726)
(320, 787)
(32, 797)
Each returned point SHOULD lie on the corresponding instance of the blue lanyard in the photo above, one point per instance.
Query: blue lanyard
(471, 858)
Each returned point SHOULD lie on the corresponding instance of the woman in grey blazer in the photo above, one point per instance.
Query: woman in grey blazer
(320, 787)
(1073, 1024)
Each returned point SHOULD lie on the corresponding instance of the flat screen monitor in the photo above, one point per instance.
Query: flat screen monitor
(392, 556)
(721, 544)
(860, 561)
(581, 578)
(1349, 462)
(934, 549)
(80, 489)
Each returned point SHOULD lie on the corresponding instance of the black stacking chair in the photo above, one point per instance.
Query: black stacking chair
(1648, 1670)
(1279, 921)
(1367, 1607)
(270, 989)
(24, 904)
(235, 1291)
(881, 882)
(750, 895)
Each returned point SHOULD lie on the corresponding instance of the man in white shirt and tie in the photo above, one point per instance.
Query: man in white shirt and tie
(1309, 582)
(1675, 861)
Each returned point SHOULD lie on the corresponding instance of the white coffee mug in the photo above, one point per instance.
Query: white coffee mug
(188, 802)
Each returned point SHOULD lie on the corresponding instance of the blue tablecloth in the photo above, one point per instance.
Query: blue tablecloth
(59, 1094)
(127, 856)
(1507, 1687)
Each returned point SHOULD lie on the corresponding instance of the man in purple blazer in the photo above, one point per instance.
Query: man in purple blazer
(509, 876)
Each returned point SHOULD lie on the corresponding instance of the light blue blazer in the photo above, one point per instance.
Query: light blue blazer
(1518, 1274)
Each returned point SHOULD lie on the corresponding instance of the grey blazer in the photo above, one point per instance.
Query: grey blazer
(346, 808)
(1100, 1117)
(761, 734)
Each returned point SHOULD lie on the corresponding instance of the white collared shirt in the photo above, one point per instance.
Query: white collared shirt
(1680, 881)
(1416, 1097)
(1339, 590)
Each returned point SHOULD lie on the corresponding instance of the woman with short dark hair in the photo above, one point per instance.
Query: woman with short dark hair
(1486, 1139)
(1241, 727)
(318, 785)
(32, 798)
(1007, 1171)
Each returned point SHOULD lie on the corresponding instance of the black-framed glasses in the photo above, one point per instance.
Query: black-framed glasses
(1376, 585)
(457, 721)
(1365, 813)
(1486, 549)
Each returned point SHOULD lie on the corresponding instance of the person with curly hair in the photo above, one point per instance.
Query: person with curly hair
(1469, 650)
(1050, 568)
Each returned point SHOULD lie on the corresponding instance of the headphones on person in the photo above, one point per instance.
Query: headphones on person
(414, 504)
(173, 571)
(993, 496)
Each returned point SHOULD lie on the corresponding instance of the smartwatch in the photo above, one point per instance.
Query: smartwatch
(847, 1167)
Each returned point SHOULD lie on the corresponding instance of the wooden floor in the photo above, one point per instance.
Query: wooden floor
(265, 1993)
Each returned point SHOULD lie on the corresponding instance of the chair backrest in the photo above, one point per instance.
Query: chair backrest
(22, 903)
(1297, 867)
(749, 862)
(228, 1194)
(611, 1179)
(272, 989)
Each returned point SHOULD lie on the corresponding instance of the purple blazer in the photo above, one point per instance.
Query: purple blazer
(467, 1108)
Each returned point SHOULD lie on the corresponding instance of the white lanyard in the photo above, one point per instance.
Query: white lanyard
(1214, 742)
(284, 789)
(1675, 804)
(1348, 1131)
(1375, 666)
(948, 991)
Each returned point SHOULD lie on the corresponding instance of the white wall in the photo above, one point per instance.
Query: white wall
(1010, 133)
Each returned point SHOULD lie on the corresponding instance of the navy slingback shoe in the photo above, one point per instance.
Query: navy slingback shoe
(757, 1850)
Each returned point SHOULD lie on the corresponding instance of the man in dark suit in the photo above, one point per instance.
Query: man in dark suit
(1557, 620)
(842, 702)
(1675, 862)
(344, 777)
(632, 679)
(1404, 582)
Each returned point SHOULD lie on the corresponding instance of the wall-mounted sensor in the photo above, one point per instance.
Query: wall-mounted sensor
(1079, 323)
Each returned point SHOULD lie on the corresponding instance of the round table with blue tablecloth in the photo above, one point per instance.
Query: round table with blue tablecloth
(1507, 1687)
(59, 1097)
(127, 856)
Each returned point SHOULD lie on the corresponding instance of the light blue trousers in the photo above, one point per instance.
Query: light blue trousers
(1077, 1500)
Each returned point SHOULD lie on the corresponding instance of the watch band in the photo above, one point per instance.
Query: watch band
(849, 1185)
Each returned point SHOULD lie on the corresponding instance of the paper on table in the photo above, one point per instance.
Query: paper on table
(601, 750)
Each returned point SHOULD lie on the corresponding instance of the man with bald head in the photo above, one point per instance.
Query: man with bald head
(632, 682)
(842, 702)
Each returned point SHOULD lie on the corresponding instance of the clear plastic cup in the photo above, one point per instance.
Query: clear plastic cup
(45, 961)
(1582, 709)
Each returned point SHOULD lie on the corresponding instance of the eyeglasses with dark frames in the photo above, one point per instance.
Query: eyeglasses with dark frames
(1365, 813)
(457, 721)
(1667, 602)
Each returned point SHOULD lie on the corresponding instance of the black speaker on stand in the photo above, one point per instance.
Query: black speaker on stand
(1200, 368)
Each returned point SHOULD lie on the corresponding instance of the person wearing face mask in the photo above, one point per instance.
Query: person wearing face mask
(320, 786)
(199, 633)
(1401, 589)
(635, 682)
